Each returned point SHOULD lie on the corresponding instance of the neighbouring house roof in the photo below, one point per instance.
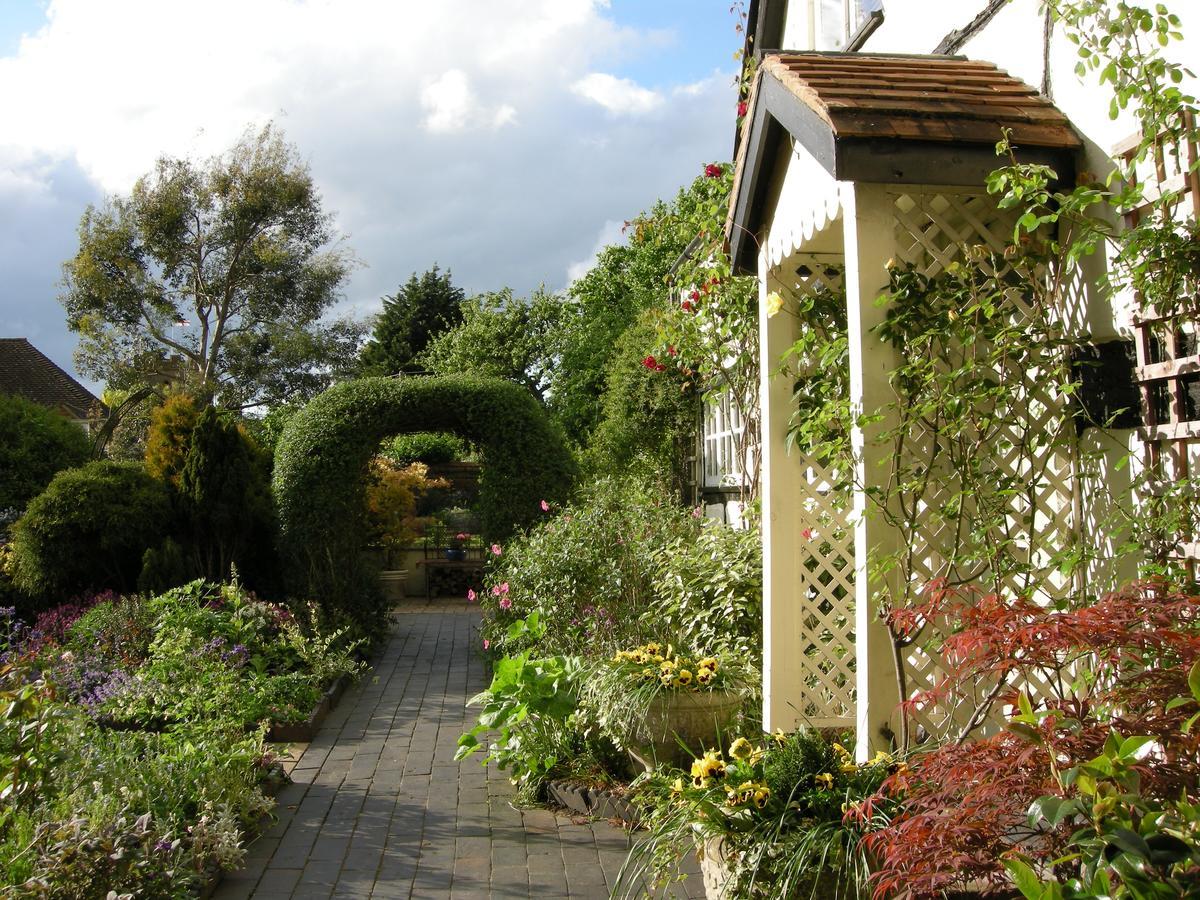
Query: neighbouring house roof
(888, 119)
(27, 372)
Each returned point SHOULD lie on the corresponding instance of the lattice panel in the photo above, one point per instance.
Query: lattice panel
(826, 542)
(827, 600)
(933, 232)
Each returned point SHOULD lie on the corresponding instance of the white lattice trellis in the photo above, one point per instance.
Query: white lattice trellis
(934, 232)
(826, 545)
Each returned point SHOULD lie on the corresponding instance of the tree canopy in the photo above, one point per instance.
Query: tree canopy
(502, 336)
(422, 309)
(216, 274)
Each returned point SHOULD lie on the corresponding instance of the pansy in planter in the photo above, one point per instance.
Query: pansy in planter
(657, 701)
(766, 815)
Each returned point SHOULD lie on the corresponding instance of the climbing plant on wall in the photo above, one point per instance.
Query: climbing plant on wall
(322, 457)
(981, 436)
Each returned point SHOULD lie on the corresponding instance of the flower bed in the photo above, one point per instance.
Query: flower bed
(132, 732)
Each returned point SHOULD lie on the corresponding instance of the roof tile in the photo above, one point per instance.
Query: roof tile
(27, 372)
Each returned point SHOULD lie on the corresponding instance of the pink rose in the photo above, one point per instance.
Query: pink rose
(545, 506)
(496, 551)
(505, 603)
(471, 595)
(504, 587)
(806, 533)
(486, 643)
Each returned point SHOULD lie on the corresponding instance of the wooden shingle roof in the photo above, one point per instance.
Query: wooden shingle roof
(925, 98)
(887, 119)
(29, 373)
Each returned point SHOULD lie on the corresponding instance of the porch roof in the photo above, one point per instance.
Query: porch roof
(887, 119)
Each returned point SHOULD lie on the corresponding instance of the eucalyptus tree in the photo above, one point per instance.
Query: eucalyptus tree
(217, 274)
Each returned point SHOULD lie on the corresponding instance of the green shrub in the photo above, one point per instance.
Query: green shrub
(89, 529)
(708, 591)
(589, 571)
(35, 443)
(224, 497)
(169, 435)
(648, 415)
(429, 447)
(321, 466)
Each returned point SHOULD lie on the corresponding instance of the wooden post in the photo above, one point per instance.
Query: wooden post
(868, 217)
(782, 507)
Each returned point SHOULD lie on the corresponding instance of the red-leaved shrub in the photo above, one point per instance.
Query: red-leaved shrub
(1111, 666)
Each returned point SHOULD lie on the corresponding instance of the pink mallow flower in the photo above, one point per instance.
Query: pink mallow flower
(471, 595)
(505, 603)
(545, 506)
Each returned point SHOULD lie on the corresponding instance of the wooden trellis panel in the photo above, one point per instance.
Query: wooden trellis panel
(1168, 352)
(933, 231)
(826, 543)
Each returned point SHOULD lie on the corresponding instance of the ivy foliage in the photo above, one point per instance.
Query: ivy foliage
(321, 463)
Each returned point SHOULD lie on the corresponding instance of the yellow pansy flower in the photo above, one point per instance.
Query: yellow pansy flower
(824, 779)
(740, 749)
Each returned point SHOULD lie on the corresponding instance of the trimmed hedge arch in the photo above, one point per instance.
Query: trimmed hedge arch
(322, 456)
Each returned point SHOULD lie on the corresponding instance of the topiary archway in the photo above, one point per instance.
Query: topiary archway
(322, 456)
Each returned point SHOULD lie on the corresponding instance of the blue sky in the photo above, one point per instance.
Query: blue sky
(510, 159)
(19, 17)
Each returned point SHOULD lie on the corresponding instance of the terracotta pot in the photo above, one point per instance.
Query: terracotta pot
(696, 719)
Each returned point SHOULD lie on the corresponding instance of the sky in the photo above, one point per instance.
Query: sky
(504, 140)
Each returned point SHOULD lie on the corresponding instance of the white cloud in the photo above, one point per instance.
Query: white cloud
(611, 232)
(416, 150)
(618, 95)
(448, 102)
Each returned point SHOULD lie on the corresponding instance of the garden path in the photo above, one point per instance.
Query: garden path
(379, 808)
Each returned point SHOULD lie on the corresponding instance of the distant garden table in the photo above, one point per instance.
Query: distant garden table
(446, 577)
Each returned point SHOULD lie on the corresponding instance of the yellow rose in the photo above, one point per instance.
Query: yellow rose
(774, 304)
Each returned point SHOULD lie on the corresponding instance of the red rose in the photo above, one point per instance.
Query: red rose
(670, 350)
(742, 107)
(712, 170)
(686, 305)
(650, 362)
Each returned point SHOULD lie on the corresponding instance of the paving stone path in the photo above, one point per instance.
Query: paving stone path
(379, 808)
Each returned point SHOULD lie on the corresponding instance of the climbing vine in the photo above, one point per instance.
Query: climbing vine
(981, 435)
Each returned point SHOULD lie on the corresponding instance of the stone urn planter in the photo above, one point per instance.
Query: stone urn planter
(715, 867)
(694, 719)
(392, 582)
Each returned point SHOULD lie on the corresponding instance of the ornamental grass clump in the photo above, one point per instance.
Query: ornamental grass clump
(772, 811)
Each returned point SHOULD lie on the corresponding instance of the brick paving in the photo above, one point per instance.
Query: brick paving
(379, 808)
